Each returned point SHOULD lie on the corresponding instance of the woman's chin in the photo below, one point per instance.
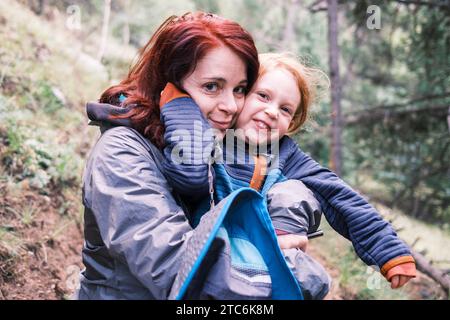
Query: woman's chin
(220, 125)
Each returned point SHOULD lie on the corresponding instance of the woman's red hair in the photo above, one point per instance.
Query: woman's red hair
(170, 55)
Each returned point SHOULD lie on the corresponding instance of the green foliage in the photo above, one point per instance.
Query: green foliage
(365, 282)
(355, 279)
(40, 111)
(38, 161)
(49, 102)
(143, 17)
(48, 72)
(400, 80)
(26, 216)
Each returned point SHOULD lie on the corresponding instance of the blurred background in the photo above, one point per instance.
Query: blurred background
(383, 125)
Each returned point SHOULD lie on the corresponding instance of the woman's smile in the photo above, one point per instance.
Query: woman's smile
(221, 125)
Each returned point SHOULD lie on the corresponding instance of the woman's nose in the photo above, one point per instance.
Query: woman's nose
(229, 104)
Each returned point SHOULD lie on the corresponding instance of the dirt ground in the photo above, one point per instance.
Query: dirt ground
(47, 249)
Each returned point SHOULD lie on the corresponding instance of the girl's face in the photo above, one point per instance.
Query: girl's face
(218, 86)
(269, 107)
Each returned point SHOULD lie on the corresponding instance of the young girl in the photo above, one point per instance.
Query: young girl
(275, 108)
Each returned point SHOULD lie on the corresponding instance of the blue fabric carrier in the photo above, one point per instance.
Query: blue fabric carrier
(243, 219)
(224, 185)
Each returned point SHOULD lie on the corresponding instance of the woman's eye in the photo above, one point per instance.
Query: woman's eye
(240, 90)
(211, 87)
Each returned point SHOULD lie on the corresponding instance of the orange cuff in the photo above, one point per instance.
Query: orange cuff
(170, 93)
(404, 265)
(406, 269)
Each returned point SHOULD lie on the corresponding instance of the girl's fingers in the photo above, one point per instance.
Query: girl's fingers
(399, 281)
(394, 282)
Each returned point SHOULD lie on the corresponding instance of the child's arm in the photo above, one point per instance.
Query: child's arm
(189, 140)
(373, 238)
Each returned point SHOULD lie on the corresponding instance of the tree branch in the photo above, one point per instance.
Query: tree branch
(319, 5)
(437, 275)
(382, 113)
(394, 110)
(441, 4)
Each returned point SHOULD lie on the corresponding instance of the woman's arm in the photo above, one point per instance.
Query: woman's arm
(189, 143)
(139, 221)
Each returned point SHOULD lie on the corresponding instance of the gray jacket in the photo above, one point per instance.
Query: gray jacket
(135, 231)
(137, 234)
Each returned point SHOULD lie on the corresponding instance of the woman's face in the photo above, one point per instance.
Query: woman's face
(218, 86)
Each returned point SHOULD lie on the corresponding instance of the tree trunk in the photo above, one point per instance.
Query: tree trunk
(41, 6)
(336, 134)
(106, 14)
(289, 32)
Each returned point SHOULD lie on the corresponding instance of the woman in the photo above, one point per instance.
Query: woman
(135, 230)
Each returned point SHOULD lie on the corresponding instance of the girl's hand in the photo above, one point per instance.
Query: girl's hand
(288, 241)
(399, 281)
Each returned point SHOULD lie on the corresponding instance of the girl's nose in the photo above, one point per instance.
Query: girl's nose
(272, 112)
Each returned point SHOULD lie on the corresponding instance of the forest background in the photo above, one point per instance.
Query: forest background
(383, 125)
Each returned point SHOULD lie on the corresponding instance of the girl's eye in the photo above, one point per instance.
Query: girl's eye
(240, 90)
(211, 87)
(263, 96)
(286, 110)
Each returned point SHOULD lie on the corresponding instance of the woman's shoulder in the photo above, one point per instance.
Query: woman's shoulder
(123, 142)
(123, 153)
(121, 132)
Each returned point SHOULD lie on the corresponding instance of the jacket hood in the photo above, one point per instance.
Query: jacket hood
(101, 114)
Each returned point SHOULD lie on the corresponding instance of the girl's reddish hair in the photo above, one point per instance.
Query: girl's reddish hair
(170, 55)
